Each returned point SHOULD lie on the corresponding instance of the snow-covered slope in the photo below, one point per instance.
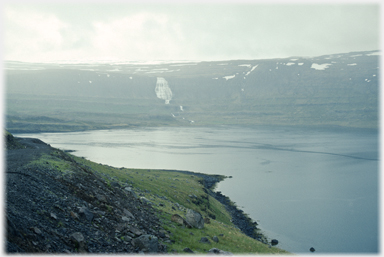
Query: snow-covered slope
(331, 89)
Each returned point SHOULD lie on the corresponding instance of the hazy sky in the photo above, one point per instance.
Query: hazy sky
(190, 31)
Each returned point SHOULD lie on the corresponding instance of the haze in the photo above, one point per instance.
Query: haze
(192, 31)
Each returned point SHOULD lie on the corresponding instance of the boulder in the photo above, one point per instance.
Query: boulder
(215, 239)
(102, 198)
(179, 220)
(147, 243)
(125, 218)
(53, 216)
(115, 184)
(274, 242)
(136, 231)
(218, 251)
(127, 238)
(194, 218)
(205, 240)
(187, 250)
(78, 240)
(128, 213)
(74, 215)
(36, 230)
(85, 213)
(145, 200)
(130, 190)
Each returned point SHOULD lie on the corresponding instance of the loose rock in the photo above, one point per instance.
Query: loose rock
(218, 251)
(128, 213)
(85, 213)
(145, 200)
(205, 240)
(102, 198)
(180, 220)
(187, 250)
(36, 230)
(78, 240)
(136, 231)
(147, 243)
(194, 218)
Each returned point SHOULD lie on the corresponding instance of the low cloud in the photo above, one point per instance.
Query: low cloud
(137, 37)
(186, 32)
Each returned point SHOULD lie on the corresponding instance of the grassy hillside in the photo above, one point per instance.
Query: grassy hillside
(61, 184)
(170, 193)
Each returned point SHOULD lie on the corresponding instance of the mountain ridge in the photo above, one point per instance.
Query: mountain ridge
(337, 89)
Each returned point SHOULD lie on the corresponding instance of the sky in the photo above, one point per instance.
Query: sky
(197, 31)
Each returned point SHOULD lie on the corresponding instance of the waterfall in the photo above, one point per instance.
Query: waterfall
(162, 90)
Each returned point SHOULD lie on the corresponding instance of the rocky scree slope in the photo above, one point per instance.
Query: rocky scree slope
(56, 204)
(51, 211)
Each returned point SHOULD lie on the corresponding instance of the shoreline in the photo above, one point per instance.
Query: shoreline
(239, 218)
(319, 127)
(89, 198)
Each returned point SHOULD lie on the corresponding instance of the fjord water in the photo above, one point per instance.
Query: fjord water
(305, 187)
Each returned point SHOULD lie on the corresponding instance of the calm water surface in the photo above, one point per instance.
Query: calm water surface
(305, 187)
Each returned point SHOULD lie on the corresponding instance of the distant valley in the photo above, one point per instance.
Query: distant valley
(332, 90)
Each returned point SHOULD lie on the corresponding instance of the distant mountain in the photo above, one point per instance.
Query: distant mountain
(330, 90)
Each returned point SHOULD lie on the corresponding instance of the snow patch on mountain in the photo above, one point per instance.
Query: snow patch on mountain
(229, 77)
(162, 90)
(184, 64)
(320, 66)
(253, 68)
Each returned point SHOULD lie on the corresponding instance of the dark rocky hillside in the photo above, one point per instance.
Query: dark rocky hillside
(332, 90)
(71, 211)
(56, 203)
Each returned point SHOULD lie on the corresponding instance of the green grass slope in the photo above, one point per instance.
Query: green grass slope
(171, 192)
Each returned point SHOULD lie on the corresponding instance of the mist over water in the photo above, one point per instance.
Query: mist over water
(305, 187)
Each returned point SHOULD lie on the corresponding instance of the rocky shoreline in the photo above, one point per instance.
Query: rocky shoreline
(239, 218)
(52, 208)
(49, 210)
